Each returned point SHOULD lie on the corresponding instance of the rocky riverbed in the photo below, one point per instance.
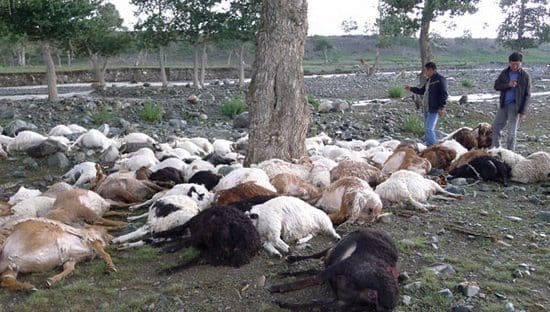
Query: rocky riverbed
(508, 274)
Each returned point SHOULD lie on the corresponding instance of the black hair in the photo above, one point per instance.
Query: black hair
(430, 65)
(515, 57)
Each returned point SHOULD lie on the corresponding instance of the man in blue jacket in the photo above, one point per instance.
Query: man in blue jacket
(435, 97)
(514, 85)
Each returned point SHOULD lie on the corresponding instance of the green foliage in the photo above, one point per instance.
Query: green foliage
(233, 107)
(313, 101)
(526, 24)
(151, 112)
(101, 116)
(467, 84)
(396, 92)
(413, 123)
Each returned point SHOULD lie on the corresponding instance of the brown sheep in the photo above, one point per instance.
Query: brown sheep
(466, 138)
(484, 135)
(406, 158)
(439, 156)
(39, 245)
(124, 187)
(467, 157)
(242, 191)
(5, 209)
(291, 185)
(361, 170)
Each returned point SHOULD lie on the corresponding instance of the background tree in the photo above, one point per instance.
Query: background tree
(527, 24)
(102, 38)
(242, 25)
(349, 25)
(279, 115)
(322, 44)
(199, 22)
(48, 22)
(159, 28)
(414, 15)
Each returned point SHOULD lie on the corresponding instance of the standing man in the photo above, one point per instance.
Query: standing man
(435, 97)
(514, 85)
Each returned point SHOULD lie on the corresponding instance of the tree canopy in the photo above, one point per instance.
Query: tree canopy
(526, 24)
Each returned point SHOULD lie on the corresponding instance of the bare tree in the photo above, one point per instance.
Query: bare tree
(279, 116)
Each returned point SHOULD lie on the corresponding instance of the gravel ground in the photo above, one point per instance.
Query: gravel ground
(512, 274)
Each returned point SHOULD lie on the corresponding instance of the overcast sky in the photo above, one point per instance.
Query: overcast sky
(325, 17)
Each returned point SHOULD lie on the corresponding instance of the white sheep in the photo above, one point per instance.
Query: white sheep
(284, 219)
(222, 147)
(80, 174)
(165, 214)
(28, 208)
(455, 146)
(275, 166)
(196, 192)
(63, 130)
(531, 169)
(405, 186)
(169, 162)
(22, 194)
(138, 138)
(94, 139)
(25, 140)
(242, 175)
(144, 157)
(196, 166)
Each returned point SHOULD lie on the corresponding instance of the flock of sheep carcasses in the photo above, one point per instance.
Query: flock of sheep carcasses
(194, 192)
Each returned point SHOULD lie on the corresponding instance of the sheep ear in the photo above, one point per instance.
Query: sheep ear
(253, 216)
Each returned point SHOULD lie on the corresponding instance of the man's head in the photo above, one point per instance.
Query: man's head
(514, 61)
(430, 69)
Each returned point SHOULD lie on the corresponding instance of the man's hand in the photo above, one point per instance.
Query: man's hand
(441, 112)
(513, 83)
(522, 117)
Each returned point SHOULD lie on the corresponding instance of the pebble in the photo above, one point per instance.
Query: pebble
(442, 269)
(515, 219)
(509, 307)
(447, 293)
(543, 215)
(483, 212)
(508, 236)
(407, 300)
(413, 286)
(469, 289)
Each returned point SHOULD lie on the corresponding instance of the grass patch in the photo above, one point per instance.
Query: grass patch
(419, 243)
(313, 101)
(395, 92)
(233, 107)
(467, 84)
(412, 123)
(101, 116)
(151, 112)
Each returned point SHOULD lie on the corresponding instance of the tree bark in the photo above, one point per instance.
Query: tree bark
(424, 39)
(279, 116)
(241, 65)
(196, 84)
(325, 54)
(204, 62)
(50, 71)
(99, 64)
(162, 64)
(22, 56)
(229, 57)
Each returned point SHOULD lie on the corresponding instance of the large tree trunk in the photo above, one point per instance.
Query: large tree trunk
(241, 65)
(424, 39)
(204, 62)
(50, 71)
(521, 26)
(279, 116)
(196, 84)
(162, 64)
(325, 54)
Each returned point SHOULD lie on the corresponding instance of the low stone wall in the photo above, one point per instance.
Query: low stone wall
(135, 74)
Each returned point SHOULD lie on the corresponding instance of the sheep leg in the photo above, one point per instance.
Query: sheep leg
(304, 272)
(305, 239)
(134, 218)
(131, 245)
(98, 248)
(124, 195)
(112, 213)
(308, 306)
(110, 223)
(139, 233)
(268, 246)
(297, 285)
(418, 205)
(292, 259)
(68, 268)
(9, 280)
(341, 216)
(441, 197)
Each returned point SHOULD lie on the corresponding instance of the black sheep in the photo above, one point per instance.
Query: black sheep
(207, 178)
(168, 175)
(224, 235)
(361, 270)
(487, 168)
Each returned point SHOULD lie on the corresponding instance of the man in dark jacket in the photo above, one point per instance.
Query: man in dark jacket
(514, 85)
(435, 97)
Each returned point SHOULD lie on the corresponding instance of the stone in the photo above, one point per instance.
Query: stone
(543, 215)
(459, 181)
(407, 242)
(407, 300)
(463, 99)
(46, 148)
(442, 269)
(193, 99)
(16, 126)
(241, 120)
(325, 106)
(58, 160)
(109, 155)
(447, 293)
(509, 307)
(469, 289)
(462, 308)
(177, 123)
(513, 218)
(454, 189)
(413, 286)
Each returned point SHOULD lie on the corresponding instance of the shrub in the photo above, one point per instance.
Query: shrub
(233, 106)
(101, 116)
(467, 84)
(395, 92)
(413, 123)
(313, 101)
(151, 112)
